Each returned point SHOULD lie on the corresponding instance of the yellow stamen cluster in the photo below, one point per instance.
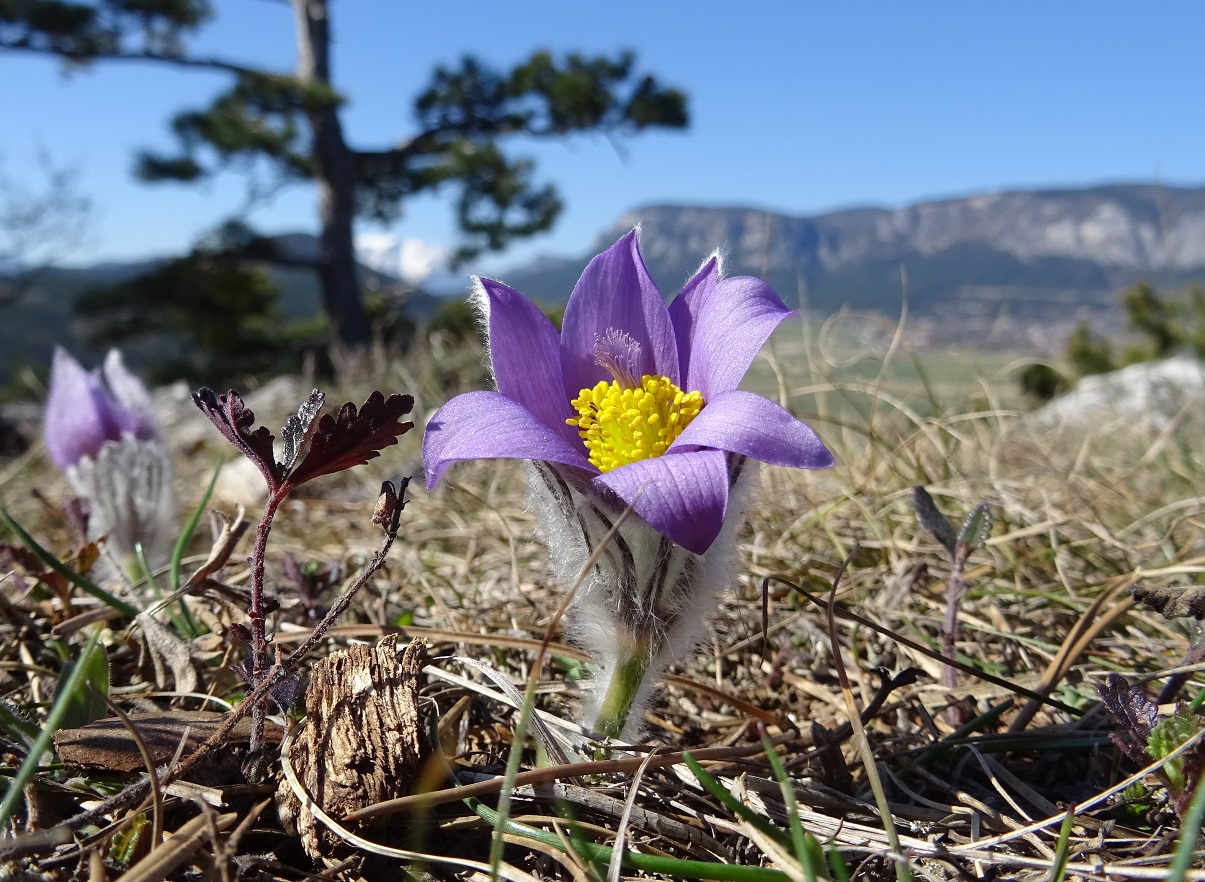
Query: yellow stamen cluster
(620, 424)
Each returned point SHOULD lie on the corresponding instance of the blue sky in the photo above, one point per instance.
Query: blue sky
(796, 106)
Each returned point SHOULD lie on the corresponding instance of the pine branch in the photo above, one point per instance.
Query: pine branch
(204, 63)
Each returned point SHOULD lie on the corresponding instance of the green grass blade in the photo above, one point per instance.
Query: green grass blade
(182, 622)
(1061, 852)
(798, 834)
(65, 571)
(1190, 833)
(812, 859)
(716, 789)
(84, 702)
(513, 761)
(837, 865)
(646, 863)
(16, 787)
(191, 527)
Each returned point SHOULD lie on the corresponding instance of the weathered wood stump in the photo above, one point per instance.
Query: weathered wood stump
(363, 740)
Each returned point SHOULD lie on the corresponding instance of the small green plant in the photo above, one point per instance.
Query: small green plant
(959, 544)
(1041, 383)
(313, 446)
(1146, 734)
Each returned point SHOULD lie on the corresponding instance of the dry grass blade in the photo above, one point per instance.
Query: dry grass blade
(550, 773)
(902, 869)
(178, 848)
(1097, 618)
(511, 874)
(1081, 512)
(504, 698)
(1054, 820)
(547, 739)
(563, 856)
(152, 775)
(615, 868)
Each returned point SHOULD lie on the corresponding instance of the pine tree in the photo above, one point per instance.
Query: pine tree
(1088, 353)
(1152, 316)
(291, 120)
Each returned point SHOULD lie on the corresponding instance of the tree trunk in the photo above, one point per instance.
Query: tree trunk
(336, 178)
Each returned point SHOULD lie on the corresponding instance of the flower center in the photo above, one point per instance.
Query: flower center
(630, 419)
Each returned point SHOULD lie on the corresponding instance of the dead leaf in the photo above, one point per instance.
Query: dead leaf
(1172, 601)
(107, 744)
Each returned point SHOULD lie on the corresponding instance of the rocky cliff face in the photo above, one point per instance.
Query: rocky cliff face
(1138, 227)
(1042, 259)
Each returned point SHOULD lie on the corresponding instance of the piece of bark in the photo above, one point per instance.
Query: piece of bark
(363, 739)
(108, 744)
(1172, 601)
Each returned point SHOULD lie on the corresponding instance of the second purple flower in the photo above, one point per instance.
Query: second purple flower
(100, 430)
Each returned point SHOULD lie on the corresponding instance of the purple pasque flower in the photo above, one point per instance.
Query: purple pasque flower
(632, 398)
(87, 408)
(100, 430)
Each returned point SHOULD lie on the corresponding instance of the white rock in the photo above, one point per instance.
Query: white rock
(1150, 393)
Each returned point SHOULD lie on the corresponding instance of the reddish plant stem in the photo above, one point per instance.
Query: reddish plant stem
(135, 792)
(259, 635)
(956, 592)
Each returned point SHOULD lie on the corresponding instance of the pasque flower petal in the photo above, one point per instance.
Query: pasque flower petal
(683, 496)
(525, 353)
(488, 425)
(616, 292)
(82, 412)
(752, 426)
(134, 411)
(720, 326)
(79, 415)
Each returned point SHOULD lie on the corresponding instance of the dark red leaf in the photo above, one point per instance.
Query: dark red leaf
(292, 571)
(353, 437)
(78, 511)
(234, 420)
(22, 556)
(240, 632)
(285, 692)
(1136, 715)
(243, 669)
(1194, 766)
(929, 517)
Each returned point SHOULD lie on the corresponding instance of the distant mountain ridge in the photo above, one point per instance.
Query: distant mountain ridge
(1040, 253)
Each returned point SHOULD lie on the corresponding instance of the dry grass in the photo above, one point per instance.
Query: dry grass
(1078, 516)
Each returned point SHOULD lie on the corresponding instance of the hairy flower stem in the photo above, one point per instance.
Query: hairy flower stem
(631, 665)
